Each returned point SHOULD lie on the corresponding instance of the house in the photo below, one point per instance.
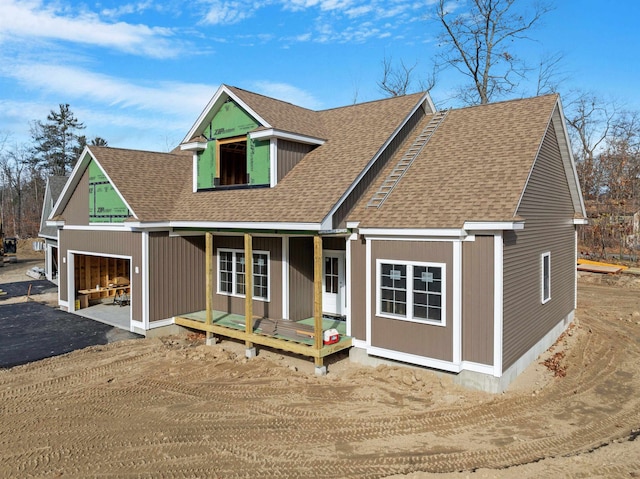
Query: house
(441, 239)
(52, 191)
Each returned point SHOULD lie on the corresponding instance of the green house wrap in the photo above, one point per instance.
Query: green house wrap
(258, 162)
(229, 122)
(105, 204)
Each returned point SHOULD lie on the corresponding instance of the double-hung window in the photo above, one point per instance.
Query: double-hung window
(232, 276)
(411, 291)
(546, 277)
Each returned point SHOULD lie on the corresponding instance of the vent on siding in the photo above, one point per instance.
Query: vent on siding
(407, 159)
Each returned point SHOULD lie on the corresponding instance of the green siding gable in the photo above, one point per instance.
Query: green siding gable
(231, 121)
(105, 204)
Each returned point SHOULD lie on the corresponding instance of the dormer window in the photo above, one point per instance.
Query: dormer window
(232, 153)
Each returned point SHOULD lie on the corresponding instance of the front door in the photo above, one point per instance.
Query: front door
(333, 283)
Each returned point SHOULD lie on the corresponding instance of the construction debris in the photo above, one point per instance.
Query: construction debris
(36, 273)
(599, 267)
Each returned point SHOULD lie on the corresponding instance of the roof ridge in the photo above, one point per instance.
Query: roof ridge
(511, 100)
(379, 100)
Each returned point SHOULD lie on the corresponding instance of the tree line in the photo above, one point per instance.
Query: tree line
(56, 144)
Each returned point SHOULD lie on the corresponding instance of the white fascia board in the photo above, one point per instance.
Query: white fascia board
(567, 156)
(40, 235)
(285, 135)
(214, 105)
(428, 104)
(351, 225)
(580, 221)
(71, 183)
(493, 225)
(208, 225)
(414, 232)
(194, 145)
(55, 224)
(425, 100)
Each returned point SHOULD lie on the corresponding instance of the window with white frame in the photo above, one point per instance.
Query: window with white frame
(231, 273)
(411, 291)
(546, 277)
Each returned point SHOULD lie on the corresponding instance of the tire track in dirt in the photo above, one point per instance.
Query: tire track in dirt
(154, 409)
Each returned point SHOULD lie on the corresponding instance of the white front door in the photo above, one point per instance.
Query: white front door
(333, 287)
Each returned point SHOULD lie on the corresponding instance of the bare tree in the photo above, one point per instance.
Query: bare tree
(400, 80)
(550, 74)
(480, 42)
(590, 119)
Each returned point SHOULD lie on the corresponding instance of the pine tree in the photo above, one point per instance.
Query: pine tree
(56, 141)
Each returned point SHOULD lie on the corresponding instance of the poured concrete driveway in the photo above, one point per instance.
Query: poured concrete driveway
(31, 331)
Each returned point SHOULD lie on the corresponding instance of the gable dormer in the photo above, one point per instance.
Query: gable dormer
(226, 156)
(234, 146)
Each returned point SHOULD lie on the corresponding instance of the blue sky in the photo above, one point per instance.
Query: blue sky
(138, 74)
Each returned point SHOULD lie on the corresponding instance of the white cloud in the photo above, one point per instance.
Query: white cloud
(181, 99)
(33, 19)
(221, 12)
(286, 92)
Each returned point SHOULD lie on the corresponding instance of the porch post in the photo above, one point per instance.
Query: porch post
(248, 292)
(209, 283)
(317, 301)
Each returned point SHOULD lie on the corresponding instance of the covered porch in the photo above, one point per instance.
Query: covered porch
(304, 337)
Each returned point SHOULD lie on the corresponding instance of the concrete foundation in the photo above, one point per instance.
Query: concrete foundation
(473, 379)
(211, 340)
(250, 353)
(169, 330)
(321, 370)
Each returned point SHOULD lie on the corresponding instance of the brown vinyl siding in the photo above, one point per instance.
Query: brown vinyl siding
(368, 178)
(289, 155)
(358, 287)
(300, 278)
(235, 305)
(477, 300)
(426, 340)
(105, 243)
(76, 212)
(177, 281)
(548, 211)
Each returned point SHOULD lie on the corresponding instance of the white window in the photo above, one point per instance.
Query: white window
(411, 291)
(231, 273)
(546, 277)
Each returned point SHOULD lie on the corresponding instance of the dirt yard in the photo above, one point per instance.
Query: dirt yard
(177, 408)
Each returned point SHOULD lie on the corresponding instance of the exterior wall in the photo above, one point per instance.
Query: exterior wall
(235, 305)
(477, 300)
(289, 155)
(358, 307)
(300, 278)
(177, 276)
(342, 212)
(548, 212)
(104, 243)
(77, 210)
(427, 340)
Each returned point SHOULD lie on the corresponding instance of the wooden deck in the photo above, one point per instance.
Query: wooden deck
(233, 326)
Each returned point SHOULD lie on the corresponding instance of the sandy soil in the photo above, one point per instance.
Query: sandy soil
(174, 407)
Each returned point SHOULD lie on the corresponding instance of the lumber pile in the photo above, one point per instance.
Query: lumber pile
(599, 267)
(284, 328)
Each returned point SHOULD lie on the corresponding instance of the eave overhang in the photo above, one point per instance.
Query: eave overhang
(225, 225)
(268, 133)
